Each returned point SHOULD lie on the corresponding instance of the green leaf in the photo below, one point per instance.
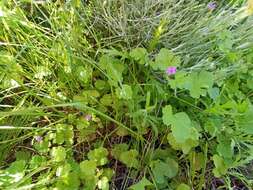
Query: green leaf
(140, 55)
(90, 183)
(183, 186)
(101, 85)
(63, 170)
(141, 184)
(17, 167)
(163, 170)
(220, 167)
(167, 114)
(82, 73)
(64, 133)
(118, 149)
(164, 59)
(69, 181)
(180, 81)
(125, 92)
(250, 83)
(22, 155)
(244, 121)
(107, 100)
(225, 41)
(37, 161)
(214, 93)
(88, 168)
(113, 68)
(108, 172)
(187, 145)
(99, 155)
(103, 183)
(58, 154)
(130, 158)
(199, 83)
(180, 124)
(225, 147)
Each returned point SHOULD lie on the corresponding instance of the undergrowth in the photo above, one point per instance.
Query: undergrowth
(126, 95)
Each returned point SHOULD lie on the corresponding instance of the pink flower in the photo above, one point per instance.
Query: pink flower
(88, 117)
(212, 5)
(38, 138)
(171, 70)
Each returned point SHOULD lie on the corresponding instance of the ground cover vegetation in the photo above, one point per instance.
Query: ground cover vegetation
(141, 95)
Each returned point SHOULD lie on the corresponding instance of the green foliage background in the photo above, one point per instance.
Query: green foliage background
(86, 103)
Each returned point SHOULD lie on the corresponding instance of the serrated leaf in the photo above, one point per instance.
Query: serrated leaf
(124, 92)
(141, 184)
(58, 154)
(130, 158)
(99, 155)
(140, 55)
(164, 59)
